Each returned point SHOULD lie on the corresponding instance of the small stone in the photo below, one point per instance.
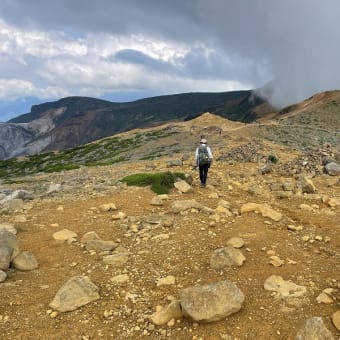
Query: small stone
(123, 278)
(324, 298)
(108, 207)
(236, 242)
(168, 280)
(276, 261)
(171, 323)
(54, 314)
(318, 238)
(116, 260)
(305, 238)
(64, 235)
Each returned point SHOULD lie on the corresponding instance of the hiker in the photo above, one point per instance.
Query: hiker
(203, 159)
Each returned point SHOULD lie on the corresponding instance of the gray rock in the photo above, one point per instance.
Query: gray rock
(25, 261)
(3, 276)
(54, 188)
(91, 235)
(179, 206)
(5, 257)
(265, 169)
(332, 169)
(226, 257)
(314, 329)
(183, 186)
(283, 288)
(9, 227)
(307, 186)
(99, 245)
(212, 302)
(116, 260)
(9, 240)
(13, 205)
(76, 292)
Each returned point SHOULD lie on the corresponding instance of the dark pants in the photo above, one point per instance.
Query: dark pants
(203, 170)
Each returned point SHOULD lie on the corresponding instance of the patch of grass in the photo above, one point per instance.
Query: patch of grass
(160, 183)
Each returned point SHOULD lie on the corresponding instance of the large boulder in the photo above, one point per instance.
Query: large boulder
(211, 302)
(76, 292)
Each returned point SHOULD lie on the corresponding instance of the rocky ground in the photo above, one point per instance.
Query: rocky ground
(261, 248)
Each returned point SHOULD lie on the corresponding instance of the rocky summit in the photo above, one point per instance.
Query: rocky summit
(253, 255)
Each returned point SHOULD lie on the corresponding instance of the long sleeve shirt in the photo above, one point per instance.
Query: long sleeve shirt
(209, 154)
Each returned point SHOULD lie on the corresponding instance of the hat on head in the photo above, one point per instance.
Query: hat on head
(203, 141)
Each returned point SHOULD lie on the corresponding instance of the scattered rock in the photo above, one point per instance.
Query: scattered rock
(76, 292)
(164, 281)
(235, 242)
(116, 260)
(324, 298)
(307, 186)
(3, 276)
(9, 227)
(90, 236)
(25, 261)
(108, 207)
(314, 329)
(263, 209)
(336, 319)
(226, 257)
(65, 235)
(332, 169)
(99, 245)
(276, 261)
(164, 315)
(122, 278)
(156, 201)
(284, 289)
(179, 206)
(183, 186)
(211, 302)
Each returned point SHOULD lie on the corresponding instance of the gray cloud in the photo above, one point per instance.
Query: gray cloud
(291, 44)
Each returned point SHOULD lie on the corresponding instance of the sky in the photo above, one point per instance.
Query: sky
(123, 50)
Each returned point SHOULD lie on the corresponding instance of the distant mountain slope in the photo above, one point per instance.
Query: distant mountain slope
(308, 124)
(74, 121)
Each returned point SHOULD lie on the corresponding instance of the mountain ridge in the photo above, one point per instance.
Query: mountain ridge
(73, 121)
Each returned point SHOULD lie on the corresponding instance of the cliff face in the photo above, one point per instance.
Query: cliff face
(12, 136)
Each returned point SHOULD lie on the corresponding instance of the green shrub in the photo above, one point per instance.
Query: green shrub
(272, 159)
(160, 182)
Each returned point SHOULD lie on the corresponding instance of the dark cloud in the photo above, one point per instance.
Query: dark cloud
(293, 44)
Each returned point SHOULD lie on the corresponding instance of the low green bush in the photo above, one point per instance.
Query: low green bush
(160, 183)
(272, 159)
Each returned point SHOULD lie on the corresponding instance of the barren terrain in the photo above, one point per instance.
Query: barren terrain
(306, 239)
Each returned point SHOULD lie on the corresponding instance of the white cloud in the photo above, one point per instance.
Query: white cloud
(50, 65)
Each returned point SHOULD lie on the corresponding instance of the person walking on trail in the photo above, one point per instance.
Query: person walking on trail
(203, 159)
